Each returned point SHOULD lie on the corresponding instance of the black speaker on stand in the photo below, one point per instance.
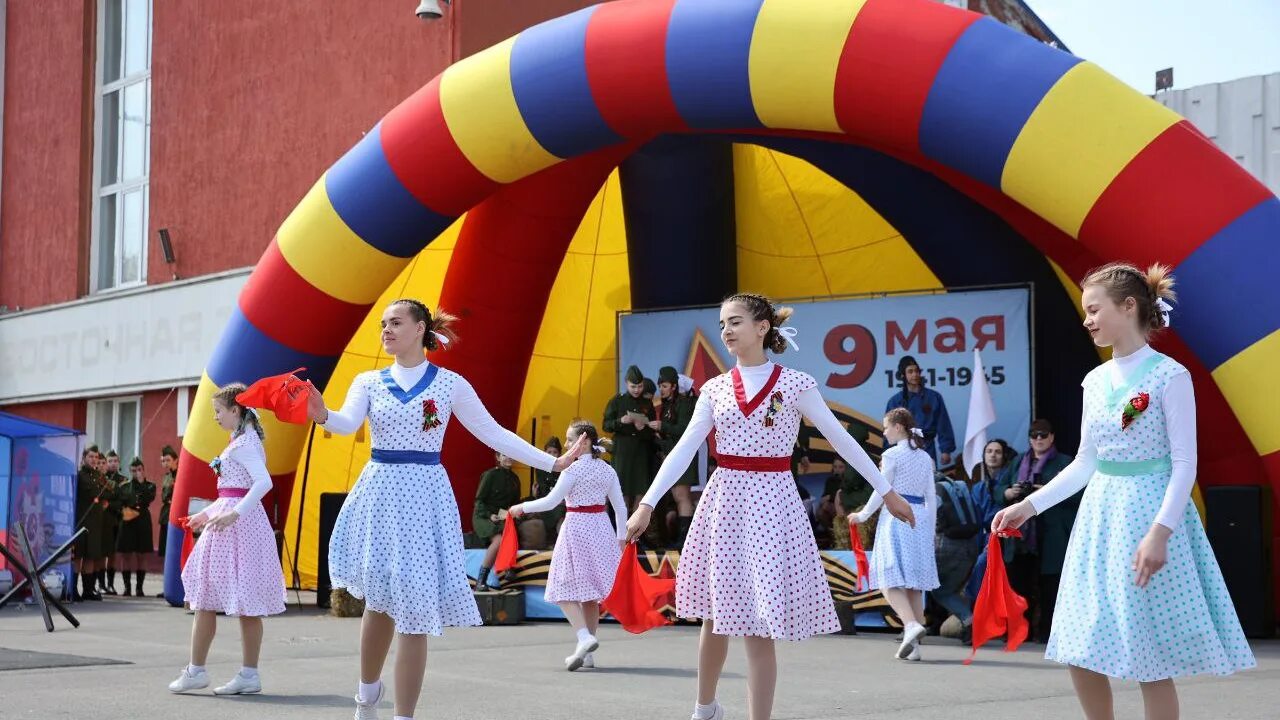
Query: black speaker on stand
(330, 506)
(1238, 522)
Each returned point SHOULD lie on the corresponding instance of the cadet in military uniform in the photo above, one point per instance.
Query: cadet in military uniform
(91, 489)
(168, 461)
(633, 421)
(111, 524)
(674, 417)
(135, 495)
(499, 489)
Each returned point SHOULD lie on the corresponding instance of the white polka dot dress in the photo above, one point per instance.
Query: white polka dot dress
(398, 541)
(586, 555)
(903, 556)
(750, 562)
(236, 570)
(1183, 622)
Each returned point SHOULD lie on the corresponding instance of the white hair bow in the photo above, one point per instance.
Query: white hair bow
(254, 413)
(1164, 308)
(917, 432)
(684, 383)
(440, 338)
(789, 333)
(598, 448)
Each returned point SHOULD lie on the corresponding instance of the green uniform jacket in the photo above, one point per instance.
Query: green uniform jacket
(854, 489)
(90, 488)
(677, 413)
(633, 450)
(135, 535)
(166, 498)
(499, 489)
(114, 511)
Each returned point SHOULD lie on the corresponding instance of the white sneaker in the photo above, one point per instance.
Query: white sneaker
(369, 710)
(240, 685)
(186, 681)
(717, 714)
(585, 647)
(915, 655)
(589, 660)
(911, 635)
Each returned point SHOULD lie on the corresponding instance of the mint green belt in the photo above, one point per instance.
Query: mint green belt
(1138, 467)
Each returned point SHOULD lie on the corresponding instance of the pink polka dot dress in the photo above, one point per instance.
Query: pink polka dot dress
(236, 570)
(750, 562)
(585, 559)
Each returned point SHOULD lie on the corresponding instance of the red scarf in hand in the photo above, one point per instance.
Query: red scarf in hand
(284, 395)
(999, 610)
(508, 548)
(637, 598)
(859, 556)
(188, 540)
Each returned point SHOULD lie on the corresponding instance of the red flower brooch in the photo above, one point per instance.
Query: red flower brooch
(1135, 407)
(430, 415)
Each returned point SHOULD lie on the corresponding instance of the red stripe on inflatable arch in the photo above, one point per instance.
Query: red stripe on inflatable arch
(630, 87)
(509, 252)
(888, 66)
(274, 279)
(425, 158)
(1170, 198)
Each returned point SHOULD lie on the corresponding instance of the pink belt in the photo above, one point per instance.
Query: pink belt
(232, 492)
(585, 508)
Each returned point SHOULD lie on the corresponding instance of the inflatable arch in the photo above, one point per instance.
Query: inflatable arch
(520, 138)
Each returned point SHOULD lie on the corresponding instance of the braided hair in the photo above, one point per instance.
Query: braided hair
(761, 308)
(1124, 280)
(226, 395)
(437, 323)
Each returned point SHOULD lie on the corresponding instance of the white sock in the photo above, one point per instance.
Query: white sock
(704, 711)
(369, 691)
(249, 673)
(584, 635)
(403, 717)
(195, 669)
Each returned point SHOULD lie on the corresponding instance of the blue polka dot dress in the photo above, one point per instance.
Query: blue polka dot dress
(1183, 622)
(904, 556)
(397, 542)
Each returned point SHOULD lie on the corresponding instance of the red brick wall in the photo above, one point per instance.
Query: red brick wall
(47, 159)
(253, 101)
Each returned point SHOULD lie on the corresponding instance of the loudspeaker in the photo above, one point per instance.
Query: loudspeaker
(1238, 522)
(330, 506)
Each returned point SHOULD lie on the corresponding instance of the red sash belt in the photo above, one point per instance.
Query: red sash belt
(232, 492)
(585, 508)
(754, 464)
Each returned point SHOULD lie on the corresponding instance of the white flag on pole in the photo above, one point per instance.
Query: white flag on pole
(982, 414)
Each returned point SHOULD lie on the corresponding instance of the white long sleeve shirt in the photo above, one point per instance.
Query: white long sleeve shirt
(922, 483)
(811, 406)
(565, 483)
(256, 463)
(466, 405)
(1179, 403)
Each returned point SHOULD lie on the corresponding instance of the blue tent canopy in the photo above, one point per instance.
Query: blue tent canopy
(15, 426)
(37, 483)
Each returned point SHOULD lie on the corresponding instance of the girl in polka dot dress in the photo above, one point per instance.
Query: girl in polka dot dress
(903, 561)
(588, 549)
(234, 567)
(397, 542)
(1141, 596)
(750, 565)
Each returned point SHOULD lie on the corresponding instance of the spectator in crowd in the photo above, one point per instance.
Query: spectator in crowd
(928, 410)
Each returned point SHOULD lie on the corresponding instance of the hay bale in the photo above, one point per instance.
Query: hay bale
(342, 604)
